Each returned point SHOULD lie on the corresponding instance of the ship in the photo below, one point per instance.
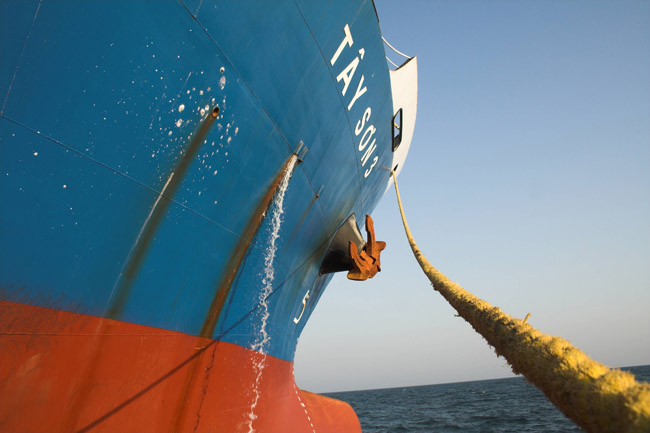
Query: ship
(179, 182)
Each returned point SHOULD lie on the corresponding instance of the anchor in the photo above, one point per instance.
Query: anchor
(366, 262)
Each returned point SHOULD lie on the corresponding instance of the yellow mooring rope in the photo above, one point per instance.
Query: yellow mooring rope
(593, 396)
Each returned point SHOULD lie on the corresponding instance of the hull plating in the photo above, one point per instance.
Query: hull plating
(143, 145)
(135, 378)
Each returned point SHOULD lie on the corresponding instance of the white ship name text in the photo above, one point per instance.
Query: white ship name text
(366, 148)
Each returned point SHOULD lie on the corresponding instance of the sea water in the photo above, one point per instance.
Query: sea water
(499, 405)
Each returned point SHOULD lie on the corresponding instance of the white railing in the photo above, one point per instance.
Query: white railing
(407, 57)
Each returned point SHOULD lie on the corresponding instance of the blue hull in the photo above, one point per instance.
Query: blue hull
(100, 112)
(173, 175)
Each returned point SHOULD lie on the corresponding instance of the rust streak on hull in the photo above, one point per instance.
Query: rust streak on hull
(223, 289)
(148, 231)
(88, 375)
(238, 255)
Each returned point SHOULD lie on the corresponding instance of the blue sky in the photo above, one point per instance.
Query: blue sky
(528, 183)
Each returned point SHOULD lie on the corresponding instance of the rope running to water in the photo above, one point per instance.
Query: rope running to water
(593, 396)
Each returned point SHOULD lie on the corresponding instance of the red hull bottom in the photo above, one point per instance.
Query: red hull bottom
(62, 371)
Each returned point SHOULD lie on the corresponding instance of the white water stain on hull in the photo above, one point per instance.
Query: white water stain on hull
(263, 338)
